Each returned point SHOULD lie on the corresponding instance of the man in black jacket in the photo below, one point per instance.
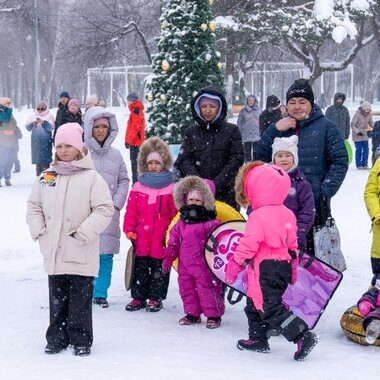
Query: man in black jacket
(212, 148)
(271, 114)
(339, 115)
(63, 107)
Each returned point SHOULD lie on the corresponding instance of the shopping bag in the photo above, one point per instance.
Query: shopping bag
(327, 245)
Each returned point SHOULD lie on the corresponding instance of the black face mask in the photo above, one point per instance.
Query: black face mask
(196, 214)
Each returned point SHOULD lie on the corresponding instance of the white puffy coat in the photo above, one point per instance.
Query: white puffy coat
(62, 204)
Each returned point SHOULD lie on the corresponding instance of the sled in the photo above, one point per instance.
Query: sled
(307, 299)
(352, 327)
(129, 266)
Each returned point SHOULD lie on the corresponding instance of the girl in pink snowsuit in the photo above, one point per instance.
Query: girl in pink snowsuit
(267, 249)
(199, 289)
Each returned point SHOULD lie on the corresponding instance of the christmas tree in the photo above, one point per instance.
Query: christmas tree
(187, 61)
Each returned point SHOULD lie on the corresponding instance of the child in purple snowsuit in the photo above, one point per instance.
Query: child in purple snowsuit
(300, 198)
(199, 289)
(369, 307)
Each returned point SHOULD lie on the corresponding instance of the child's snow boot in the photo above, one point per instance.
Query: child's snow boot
(52, 349)
(213, 323)
(154, 305)
(305, 344)
(82, 351)
(189, 319)
(135, 305)
(102, 302)
(258, 345)
(372, 331)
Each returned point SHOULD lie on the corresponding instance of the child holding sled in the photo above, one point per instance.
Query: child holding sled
(199, 289)
(369, 307)
(268, 250)
(150, 209)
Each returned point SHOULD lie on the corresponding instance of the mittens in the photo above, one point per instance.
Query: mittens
(232, 271)
(131, 235)
(365, 307)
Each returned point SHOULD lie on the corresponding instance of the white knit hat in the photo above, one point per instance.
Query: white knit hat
(286, 144)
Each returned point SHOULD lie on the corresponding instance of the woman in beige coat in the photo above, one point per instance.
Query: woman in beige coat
(361, 123)
(70, 205)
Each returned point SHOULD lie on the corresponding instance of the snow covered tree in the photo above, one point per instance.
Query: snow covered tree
(186, 61)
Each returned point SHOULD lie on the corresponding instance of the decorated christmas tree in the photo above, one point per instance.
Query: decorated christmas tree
(187, 60)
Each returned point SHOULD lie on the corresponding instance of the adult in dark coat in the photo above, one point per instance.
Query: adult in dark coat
(72, 114)
(339, 115)
(271, 114)
(41, 124)
(322, 154)
(212, 148)
(64, 98)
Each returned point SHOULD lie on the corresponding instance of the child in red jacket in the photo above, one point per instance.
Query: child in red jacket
(150, 210)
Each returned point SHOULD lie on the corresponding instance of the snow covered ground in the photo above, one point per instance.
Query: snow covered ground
(154, 346)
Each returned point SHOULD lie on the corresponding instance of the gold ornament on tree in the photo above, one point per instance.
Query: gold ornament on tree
(219, 65)
(149, 97)
(212, 26)
(211, 2)
(163, 98)
(203, 27)
(165, 65)
(164, 24)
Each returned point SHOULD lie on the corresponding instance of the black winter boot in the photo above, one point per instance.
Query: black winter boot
(305, 344)
(258, 345)
(102, 302)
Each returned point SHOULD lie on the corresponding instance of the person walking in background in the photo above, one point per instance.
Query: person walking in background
(339, 115)
(64, 98)
(9, 135)
(212, 148)
(68, 208)
(321, 150)
(248, 124)
(271, 114)
(150, 209)
(200, 291)
(361, 123)
(41, 124)
(375, 136)
(99, 134)
(268, 251)
(135, 131)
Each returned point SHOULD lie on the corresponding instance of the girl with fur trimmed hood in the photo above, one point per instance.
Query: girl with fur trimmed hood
(199, 289)
(149, 212)
(267, 249)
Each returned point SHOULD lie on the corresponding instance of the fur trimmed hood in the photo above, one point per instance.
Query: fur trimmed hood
(240, 195)
(154, 144)
(185, 185)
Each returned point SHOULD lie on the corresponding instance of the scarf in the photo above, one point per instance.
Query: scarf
(156, 180)
(5, 114)
(66, 168)
(191, 214)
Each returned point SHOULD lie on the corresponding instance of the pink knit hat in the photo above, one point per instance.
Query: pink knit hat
(74, 102)
(154, 156)
(102, 121)
(195, 194)
(70, 134)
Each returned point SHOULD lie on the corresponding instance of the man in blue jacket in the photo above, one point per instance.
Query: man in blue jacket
(321, 150)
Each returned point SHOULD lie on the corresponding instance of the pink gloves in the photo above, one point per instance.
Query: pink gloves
(365, 307)
(294, 264)
(232, 271)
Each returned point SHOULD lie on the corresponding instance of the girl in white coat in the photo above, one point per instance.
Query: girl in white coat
(70, 205)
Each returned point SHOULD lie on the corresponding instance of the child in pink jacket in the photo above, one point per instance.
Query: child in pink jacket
(268, 250)
(199, 289)
(149, 212)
